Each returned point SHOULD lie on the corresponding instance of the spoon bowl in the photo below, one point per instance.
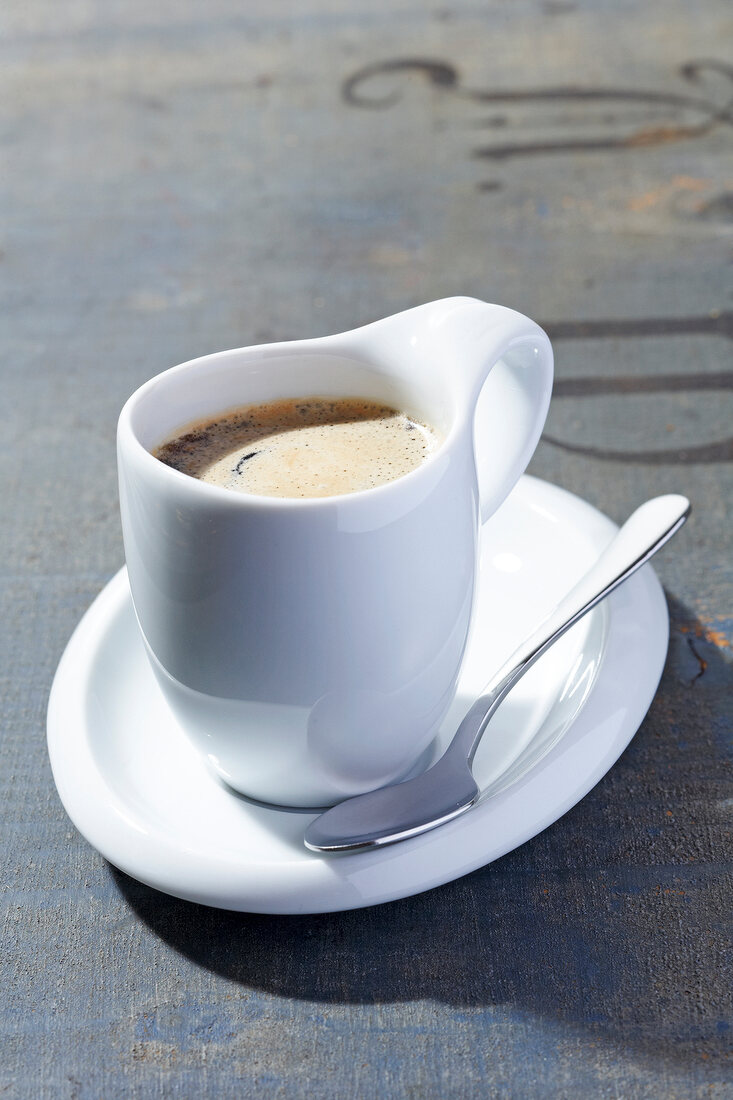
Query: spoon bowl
(448, 788)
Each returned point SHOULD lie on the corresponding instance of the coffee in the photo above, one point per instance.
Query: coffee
(302, 447)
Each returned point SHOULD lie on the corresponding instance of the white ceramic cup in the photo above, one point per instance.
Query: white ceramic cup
(310, 647)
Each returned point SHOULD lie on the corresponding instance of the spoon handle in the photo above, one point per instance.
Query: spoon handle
(645, 531)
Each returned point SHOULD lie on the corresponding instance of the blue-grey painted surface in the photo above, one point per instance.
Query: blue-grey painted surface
(179, 178)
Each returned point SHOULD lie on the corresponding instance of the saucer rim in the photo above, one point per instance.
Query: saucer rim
(353, 880)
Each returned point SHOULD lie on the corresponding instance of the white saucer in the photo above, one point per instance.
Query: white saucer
(142, 796)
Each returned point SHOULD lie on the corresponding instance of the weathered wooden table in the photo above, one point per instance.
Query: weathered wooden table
(179, 178)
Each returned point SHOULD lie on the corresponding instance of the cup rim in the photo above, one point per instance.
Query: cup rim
(128, 437)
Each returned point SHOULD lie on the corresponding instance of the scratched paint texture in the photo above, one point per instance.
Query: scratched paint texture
(179, 178)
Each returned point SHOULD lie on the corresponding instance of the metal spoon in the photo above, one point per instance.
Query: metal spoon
(448, 788)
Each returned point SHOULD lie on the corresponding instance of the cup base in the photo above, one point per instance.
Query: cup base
(425, 760)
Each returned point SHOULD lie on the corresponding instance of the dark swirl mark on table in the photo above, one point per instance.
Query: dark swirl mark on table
(711, 110)
(721, 451)
(718, 324)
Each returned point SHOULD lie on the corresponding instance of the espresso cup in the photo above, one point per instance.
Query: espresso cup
(310, 647)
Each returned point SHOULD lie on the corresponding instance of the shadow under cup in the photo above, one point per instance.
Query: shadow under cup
(308, 647)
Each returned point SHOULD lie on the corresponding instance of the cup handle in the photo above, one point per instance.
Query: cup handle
(506, 364)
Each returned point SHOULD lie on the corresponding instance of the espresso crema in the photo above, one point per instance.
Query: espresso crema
(301, 447)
